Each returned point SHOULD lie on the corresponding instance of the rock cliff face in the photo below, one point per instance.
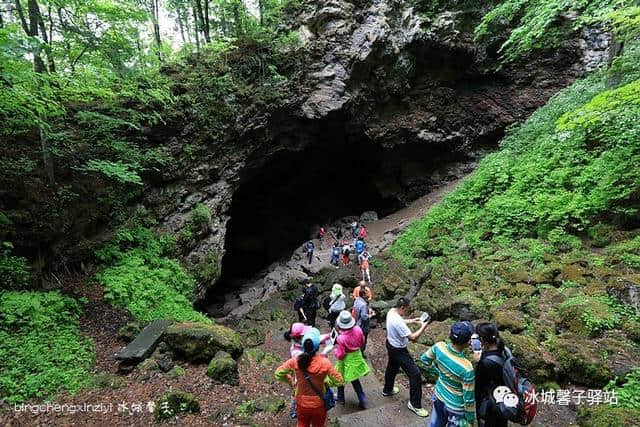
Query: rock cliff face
(389, 101)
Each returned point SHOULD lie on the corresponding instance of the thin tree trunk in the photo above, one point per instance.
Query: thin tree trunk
(156, 27)
(181, 26)
(47, 43)
(261, 11)
(207, 34)
(195, 21)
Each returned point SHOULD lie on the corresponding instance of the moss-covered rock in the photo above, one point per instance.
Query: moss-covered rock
(532, 356)
(510, 320)
(199, 342)
(174, 403)
(582, 361)
(108, 380)
(632, 329)
(129, 331)
(223, 369)
(607, 415)
(270, 404)
(436, 331)
(175, 372)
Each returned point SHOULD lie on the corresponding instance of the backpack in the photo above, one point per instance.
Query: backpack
(298, 303)
(336, 251)
(326, 302)
(527, 407)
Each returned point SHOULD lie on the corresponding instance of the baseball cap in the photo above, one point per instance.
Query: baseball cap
(461, 332)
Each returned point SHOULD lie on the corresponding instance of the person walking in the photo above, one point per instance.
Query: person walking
(354, 229)
(335, 254)
(359, 246)
(309, 247)
(398, 337)
(362, 314)
(294, 335)
(453, 396)
(489, 375)
(351, 363)
(346, 251)
(337, 304)
(321, 235)
(310, 303)
(312, 370)
(362, 233)
(362, 287)
(364, 265)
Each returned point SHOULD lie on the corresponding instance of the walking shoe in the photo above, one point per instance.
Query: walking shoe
(395, 390)
(421, 412)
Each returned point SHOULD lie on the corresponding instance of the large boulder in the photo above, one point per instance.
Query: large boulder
(223, 369)
(199, 342)
(533, 357)
(510, 320)
(436, 331)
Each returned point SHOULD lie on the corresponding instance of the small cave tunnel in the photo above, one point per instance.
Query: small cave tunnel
(283, 198)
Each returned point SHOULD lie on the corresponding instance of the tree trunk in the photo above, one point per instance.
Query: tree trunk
(207, 34)
(261, 11)
(156, 27)
(47, 42)
(195, 21)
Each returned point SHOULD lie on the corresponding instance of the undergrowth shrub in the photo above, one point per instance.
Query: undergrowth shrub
(42, 351)
(140, 275)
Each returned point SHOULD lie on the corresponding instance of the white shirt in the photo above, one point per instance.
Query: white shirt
(397, 330)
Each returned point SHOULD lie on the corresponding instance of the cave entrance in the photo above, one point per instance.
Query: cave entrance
(284, 198)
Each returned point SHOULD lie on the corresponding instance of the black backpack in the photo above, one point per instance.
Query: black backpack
(326, 302)
(298, 303)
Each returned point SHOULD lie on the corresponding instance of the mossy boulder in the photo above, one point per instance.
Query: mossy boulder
(607, 415)
(436, 331)
(175, 372)
(573, 273)
(223, 369)
(510, 320)
(199, 342)
(585, 315)
(129, 331)
(582, 361)
(632, 329)
(174, 403)
(270, 404)
(108, 380)
(532, 356)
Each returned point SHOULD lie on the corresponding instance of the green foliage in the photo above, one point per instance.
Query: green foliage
(571, 164)
(42, 351)
(627, 252)
(597, 313)
(139, 275)
(14, 270)
(629, 392)
(600, 234)
(537, 24)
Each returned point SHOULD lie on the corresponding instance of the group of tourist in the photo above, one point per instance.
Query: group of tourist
(342, 249)
(459, 387)
(463, 392)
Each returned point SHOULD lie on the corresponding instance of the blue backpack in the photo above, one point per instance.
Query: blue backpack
(336, 251)
(359, 246)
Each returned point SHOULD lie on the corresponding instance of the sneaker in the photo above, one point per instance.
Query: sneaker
(395, 390)
(421, 412)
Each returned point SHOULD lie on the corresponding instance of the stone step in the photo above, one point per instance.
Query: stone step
(144, 344)
(372, 388)
(391, 414)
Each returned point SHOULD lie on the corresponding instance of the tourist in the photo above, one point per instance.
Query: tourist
(309, 247)
(351, 363)
(398, 337)
(321, 235)
(362, 287)
(312, 370)
(294, 335)
(354, 229)
(336, 304)
(346, 251)
(489, 375)
(362, 233)
(359, 246)
(453, 396)
(364, 265)
(362, 314)
(335, 254)
(310, 303)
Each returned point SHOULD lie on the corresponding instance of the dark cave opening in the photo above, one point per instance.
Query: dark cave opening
(284, 197)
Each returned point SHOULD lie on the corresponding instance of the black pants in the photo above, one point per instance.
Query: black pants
(311, 316)
(366, 328)
(400, 358)
(491, 416)
(333, 315)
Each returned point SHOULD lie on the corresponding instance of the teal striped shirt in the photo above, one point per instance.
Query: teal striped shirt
(455, 386)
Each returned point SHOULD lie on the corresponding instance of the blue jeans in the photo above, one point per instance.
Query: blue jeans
(441, 416)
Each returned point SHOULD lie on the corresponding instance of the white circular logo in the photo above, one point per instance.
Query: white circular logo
(500, 392)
